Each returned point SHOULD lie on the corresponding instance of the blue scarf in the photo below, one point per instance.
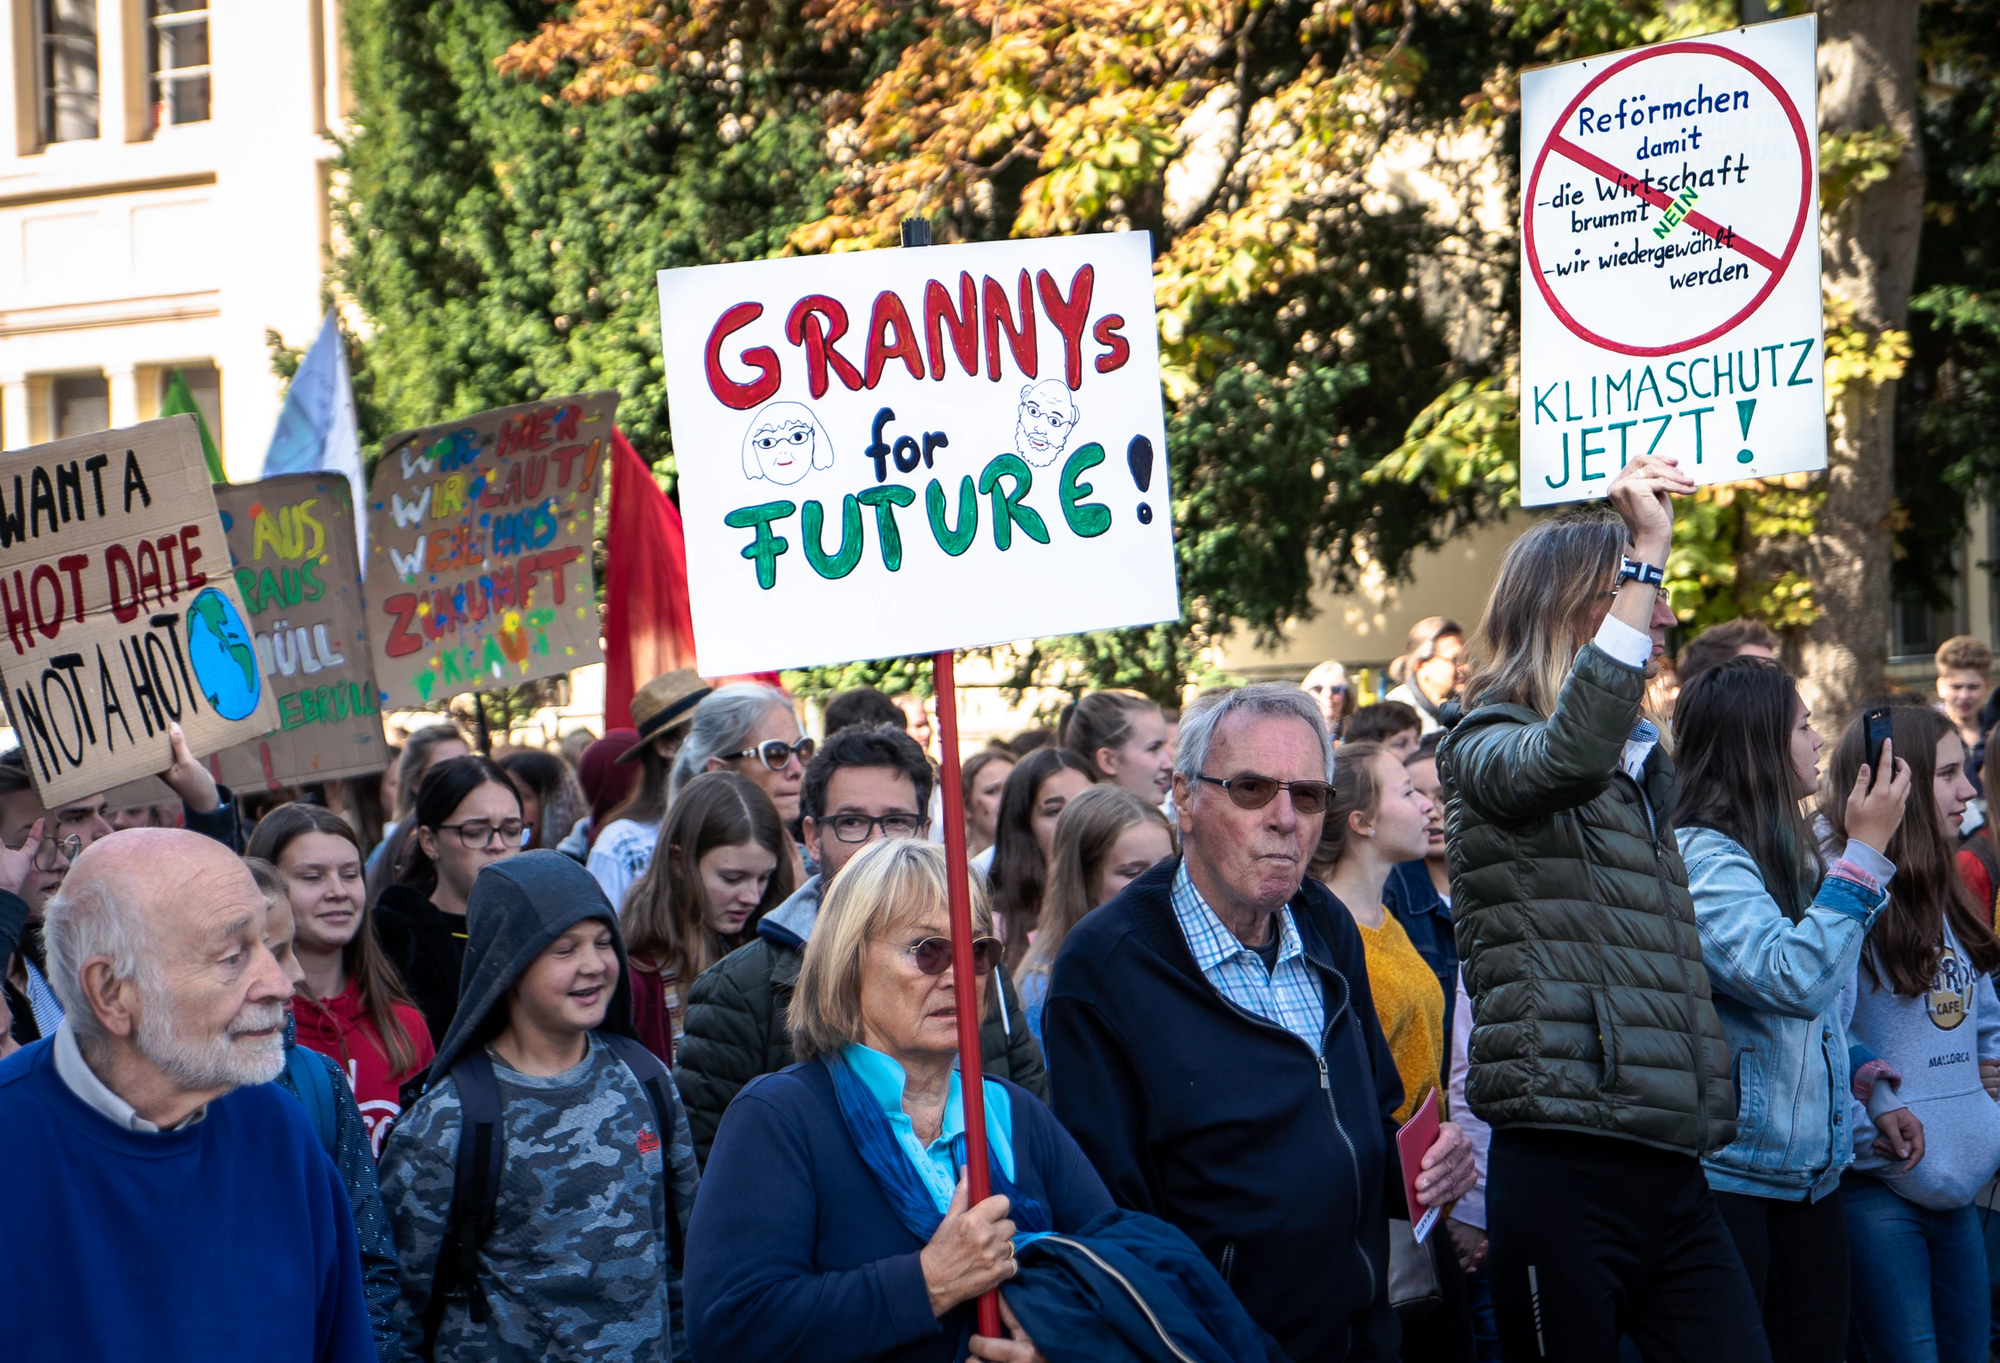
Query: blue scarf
(879, 1149)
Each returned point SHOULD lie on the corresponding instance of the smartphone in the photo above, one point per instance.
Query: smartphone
(1877, 733)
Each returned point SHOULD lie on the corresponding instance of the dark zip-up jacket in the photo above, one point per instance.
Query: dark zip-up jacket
(427, 947)
(1277, 1163)
(736, 1026)
(1591, 1006)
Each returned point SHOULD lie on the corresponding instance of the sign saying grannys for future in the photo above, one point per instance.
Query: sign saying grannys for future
(901, 451)
(1670, 271)
(119, 612)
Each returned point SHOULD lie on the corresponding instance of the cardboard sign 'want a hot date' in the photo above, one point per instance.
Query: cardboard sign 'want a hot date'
(479, 531)
(118, 611)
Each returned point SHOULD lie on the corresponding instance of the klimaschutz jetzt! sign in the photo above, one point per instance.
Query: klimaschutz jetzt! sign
(1670, 295)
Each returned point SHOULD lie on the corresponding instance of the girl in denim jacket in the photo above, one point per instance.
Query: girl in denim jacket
(1781, 933)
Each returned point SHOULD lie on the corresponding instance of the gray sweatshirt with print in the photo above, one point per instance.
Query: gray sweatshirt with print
(1935, 1041)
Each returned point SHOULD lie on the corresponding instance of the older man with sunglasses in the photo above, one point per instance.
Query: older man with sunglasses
(1214, 1048)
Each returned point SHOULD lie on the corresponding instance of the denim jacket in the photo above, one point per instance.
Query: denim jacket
(1777, 989)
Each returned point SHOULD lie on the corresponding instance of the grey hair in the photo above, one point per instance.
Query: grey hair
(85, 919)
(722, 725)
(1272, 700)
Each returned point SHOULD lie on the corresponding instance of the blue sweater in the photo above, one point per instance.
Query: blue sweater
(795, 1256)
(228, 1239)
(1281, 1170)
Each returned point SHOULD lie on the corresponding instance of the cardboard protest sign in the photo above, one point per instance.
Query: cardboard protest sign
(297, 568)
(1670, 295)
(902, 451)
(119, 611)
(479, 569)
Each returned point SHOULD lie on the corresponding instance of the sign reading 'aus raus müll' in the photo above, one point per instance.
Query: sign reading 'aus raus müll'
(118, 610)
(1670, 290)
(902, 451)
(292, 542)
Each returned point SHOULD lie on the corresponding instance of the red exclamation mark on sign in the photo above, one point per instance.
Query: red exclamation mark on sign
(271, 781)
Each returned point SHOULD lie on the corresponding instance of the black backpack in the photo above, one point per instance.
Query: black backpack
(475, 1196)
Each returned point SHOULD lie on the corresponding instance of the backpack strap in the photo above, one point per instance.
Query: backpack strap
(652, 1075)
(315, 1090)
(475, 1195)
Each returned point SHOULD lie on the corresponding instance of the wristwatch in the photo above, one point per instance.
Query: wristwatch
(1643, 573)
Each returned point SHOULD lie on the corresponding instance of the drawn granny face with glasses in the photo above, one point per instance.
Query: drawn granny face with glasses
(1044, 422)
(785, 442)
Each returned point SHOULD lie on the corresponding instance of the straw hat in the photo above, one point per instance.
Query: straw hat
(662, 705)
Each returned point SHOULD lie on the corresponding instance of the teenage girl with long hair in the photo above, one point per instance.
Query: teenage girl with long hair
(467, 816)
(1030, 803)
(1781, 933)
(1105, 839)
(1925, 1027)
(722, 863)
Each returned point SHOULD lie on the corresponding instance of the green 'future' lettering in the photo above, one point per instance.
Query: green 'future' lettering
(1007, 509)
(764, 550)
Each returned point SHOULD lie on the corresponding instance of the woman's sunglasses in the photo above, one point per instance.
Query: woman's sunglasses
(777, 753)
(933, 955)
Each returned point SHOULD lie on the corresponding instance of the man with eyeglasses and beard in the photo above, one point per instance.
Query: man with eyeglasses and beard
(162, 1162)
(65, 831)
(1215, 1049)
(864, 784)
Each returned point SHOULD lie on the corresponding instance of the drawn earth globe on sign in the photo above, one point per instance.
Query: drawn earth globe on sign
(224, 658)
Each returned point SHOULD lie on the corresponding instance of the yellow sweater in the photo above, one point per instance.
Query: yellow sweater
(1410, 1006)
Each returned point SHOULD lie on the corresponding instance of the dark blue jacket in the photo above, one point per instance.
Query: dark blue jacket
(1228, 1126)
(795, 1256)
(1417, 905)
(1131, 1287)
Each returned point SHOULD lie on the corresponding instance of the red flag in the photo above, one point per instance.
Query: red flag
(647, 628)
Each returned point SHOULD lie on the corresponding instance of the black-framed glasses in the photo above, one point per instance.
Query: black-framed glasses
(777, 753)
(1254, 792)
(478, 833)
(67, 849)
(933, 954)
(860, 827)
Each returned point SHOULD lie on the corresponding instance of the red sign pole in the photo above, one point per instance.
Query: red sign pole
(965, 984)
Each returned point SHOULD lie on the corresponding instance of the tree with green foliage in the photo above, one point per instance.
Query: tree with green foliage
(1338, 349)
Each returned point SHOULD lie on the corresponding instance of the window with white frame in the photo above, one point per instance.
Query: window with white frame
(177, 58)
(66, 69)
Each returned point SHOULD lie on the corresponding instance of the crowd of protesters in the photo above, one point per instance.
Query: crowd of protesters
(647, 1049)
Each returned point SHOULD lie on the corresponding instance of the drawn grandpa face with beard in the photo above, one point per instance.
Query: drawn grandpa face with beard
(1044, 422)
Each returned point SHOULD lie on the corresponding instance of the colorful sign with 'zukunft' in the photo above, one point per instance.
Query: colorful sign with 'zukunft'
(479, 531)
(119, 612)
(1670, 293)
(292, 541)
(902, 451)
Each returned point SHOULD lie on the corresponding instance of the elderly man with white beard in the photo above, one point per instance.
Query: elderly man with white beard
(167, 1202)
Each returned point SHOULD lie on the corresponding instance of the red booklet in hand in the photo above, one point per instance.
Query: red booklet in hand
(1413, 1141)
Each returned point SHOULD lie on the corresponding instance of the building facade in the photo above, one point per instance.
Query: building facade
(164, 167)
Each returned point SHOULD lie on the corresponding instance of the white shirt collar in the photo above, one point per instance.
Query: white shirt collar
(84, 1083)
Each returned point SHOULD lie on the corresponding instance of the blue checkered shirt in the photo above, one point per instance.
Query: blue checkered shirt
(1288, 995)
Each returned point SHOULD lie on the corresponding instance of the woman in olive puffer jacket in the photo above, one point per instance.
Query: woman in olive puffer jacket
(1596, 1053)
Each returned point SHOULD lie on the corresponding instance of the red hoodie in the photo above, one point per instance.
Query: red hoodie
(341, 1029)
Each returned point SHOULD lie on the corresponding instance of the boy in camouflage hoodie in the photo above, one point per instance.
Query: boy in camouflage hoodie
(577, 1264)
